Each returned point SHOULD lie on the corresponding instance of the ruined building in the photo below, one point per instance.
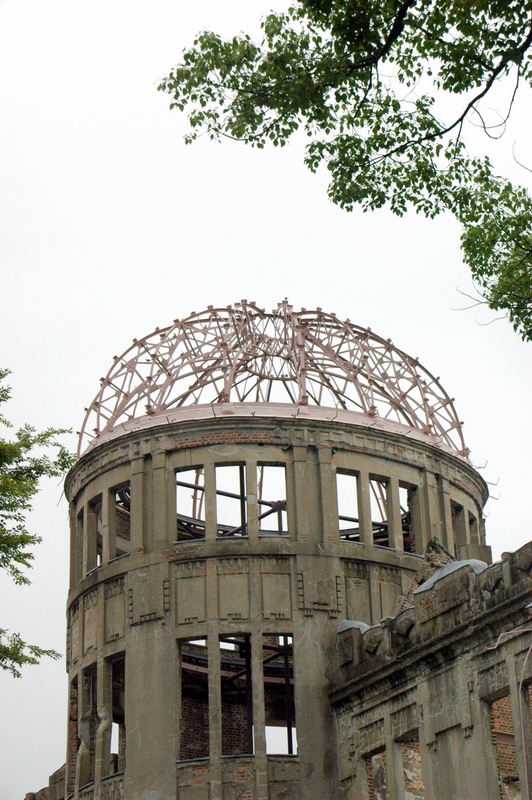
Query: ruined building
(280, 587)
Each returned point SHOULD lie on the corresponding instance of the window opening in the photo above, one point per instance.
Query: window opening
(473, 527)
(379, 511)
(190, 504)
(88, 726)
(118, 726)
(122, 500)
(194, 739)
(406, 502)
(115, 737)
(237, 698)
(503, 739)
(458, 518)
(95, 506)
(231, 500)
(271, 498)
(411, 762)
(79, 547)
(280, 716)
(377, 775)
(347, 495)
(73, 736)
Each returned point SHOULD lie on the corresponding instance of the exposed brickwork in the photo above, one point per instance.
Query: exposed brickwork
(502, 736)
(194, 727)
(227, 437)
(234, 727)
(72, 734)
(412, 776)
(123, 524)
(377, 776)
(435, 556)
(459, 589)
(199, 776)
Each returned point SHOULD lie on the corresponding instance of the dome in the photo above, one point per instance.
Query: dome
(281, 362)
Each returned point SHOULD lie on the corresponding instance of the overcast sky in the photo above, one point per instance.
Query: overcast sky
(110, 226)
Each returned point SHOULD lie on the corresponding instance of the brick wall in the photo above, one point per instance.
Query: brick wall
(502, 736)
(377, 776)
(412, 775)
(234, 726)
(194, 726)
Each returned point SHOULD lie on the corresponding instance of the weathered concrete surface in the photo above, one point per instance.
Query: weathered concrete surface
(143, 587)
(451, 673)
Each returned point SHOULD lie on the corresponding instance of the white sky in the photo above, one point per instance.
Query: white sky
(110, 226)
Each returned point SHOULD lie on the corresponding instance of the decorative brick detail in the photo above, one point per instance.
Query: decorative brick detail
(356, 570)
(90, 599)
(112, 789)
(230, 566)
(190, 569)
(275, 564)
(390, 575)
(227, 437)
(323, 595)
(114, 587)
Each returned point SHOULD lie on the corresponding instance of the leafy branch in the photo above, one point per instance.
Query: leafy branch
(23, 463)
(320, 65)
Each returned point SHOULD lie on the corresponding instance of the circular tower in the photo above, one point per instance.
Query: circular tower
(245, 481)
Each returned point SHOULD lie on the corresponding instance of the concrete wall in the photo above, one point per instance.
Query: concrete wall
(452, 672)
(139, 592)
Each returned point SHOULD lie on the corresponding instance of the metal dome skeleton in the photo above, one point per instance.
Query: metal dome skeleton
(241, 354)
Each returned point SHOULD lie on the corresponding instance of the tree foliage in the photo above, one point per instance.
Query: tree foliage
(383, 89)
(23, 463)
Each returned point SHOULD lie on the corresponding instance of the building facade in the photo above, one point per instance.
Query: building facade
(279, 577)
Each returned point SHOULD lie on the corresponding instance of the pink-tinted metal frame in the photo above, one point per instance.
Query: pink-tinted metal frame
(243, 354)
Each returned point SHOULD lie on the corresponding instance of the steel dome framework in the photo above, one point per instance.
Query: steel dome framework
(243, 354)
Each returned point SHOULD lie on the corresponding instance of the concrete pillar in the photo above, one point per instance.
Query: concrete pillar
(210, 501)
(104, 693)
(314, 660)
(171, 505)
(303, 512)
(329, 502)
(393, 506)
(447, 537)
(76, 547)
(108, 526)
(151, 712)
(252, 512)
(137, 532)
(215, 713)
(90, 529)
(364, 509)
(375, 594)
(418, 518)
(159, 505)
(261, 763)
(83, 762)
